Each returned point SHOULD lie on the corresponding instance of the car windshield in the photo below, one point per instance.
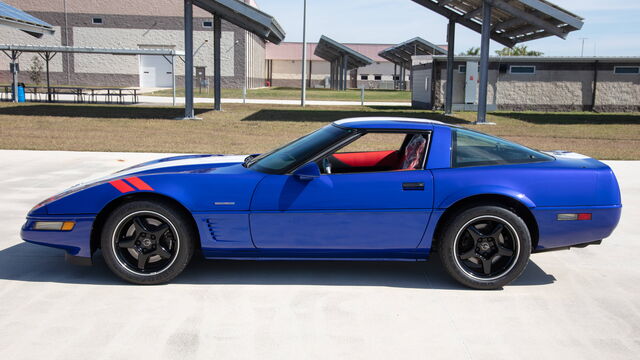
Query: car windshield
(285, 158)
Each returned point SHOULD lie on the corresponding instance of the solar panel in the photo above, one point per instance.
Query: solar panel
(16, 18)
(331, 50)
(401, 53)
(246, 17)
(512, 21)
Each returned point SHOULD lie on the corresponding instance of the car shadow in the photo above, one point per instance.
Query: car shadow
(33, 263)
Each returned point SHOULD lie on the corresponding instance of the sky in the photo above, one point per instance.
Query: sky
(612, 27)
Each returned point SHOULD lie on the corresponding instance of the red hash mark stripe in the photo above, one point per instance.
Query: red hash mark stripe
(138, 183)
(122, 186)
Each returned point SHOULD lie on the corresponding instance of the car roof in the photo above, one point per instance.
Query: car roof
(387, 123)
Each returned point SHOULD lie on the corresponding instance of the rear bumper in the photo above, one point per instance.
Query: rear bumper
(554, 233)
(76, 243)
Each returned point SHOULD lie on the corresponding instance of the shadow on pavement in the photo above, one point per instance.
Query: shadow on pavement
(33, 263)
(311, 114)
(97, 111)
(572, 118)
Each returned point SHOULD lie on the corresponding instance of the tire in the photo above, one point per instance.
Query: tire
(147, 242)
(485, 247)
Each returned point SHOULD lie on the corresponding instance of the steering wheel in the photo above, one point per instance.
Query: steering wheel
(326, 165)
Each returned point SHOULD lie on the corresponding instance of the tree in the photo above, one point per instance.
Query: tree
(472, 51)
(35, 70)
(520, 50)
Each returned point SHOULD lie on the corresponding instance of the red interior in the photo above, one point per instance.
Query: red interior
(389, 158)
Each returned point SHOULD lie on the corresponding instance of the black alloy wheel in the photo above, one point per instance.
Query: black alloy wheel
(148, 242)
(485, 247)
(145, 242)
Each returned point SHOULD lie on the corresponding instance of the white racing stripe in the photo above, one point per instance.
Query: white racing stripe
(200, 160)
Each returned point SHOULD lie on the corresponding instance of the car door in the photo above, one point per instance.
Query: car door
(386, 210)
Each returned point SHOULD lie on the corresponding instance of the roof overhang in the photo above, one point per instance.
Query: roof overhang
(246, 17)
(331, 50)
(554, 59)
(18, 19)
(513, 21)
(402, 53)
(90, 50)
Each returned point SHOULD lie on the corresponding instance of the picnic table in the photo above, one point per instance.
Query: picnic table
(78, 94)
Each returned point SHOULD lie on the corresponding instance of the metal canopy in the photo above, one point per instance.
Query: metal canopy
(16, 18)
(342, 59)
(236, 12)
(49, 52)
(331, 50)
(401, 54)
(90, 50)
(512, 21)
(508, 22)
(244, 16)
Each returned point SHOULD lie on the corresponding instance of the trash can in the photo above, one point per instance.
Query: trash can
(21, 97)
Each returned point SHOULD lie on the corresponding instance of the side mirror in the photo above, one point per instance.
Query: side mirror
(307, 172)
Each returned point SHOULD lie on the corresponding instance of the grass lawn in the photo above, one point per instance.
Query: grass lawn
(283, 93)
(249, 128)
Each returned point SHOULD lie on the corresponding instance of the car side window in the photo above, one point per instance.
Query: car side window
(377, 152)
(470, 148)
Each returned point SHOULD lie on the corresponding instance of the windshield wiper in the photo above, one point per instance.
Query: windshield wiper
(247, 161)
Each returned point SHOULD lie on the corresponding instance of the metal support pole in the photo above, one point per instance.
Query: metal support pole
(338, 73)
(451, 37)
(173, 79)
(47, 58)
(345, 60)
(188, 66)
(303, 94)
(331, 75)
(484, 63)
(217, 74)
(395, 82)
(14, 73)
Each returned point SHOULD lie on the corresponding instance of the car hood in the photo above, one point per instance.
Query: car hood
(182, 163)
(173, 170)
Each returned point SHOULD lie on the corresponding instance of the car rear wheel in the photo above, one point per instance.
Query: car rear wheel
(485, 247)
(147, 242)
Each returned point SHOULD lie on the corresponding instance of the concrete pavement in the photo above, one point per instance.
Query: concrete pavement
(577, 304)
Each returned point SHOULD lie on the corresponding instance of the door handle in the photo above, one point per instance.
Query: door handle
(413, 186)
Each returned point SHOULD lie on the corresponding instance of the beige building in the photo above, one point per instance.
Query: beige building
(532, 83)
(284, 67)
(134, 24)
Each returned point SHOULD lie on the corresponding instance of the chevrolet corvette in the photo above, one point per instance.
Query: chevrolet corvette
(356, 189)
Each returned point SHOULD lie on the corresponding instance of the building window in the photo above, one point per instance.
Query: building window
(462, 69)
(377, 77)
(520, 69)
(207, 24)
(396, 77)
(364, 77)
(96, 21)
(626, 70)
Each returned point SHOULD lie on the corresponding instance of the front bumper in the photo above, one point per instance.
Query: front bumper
(554, 233)
(76, 242)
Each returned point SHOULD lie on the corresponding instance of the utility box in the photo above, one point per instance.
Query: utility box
(421, 82)
(471, 83)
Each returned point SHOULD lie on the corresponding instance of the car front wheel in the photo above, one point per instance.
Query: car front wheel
(147, 242)
(485, 247)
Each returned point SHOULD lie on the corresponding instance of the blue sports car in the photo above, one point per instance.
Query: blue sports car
(356, 189)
